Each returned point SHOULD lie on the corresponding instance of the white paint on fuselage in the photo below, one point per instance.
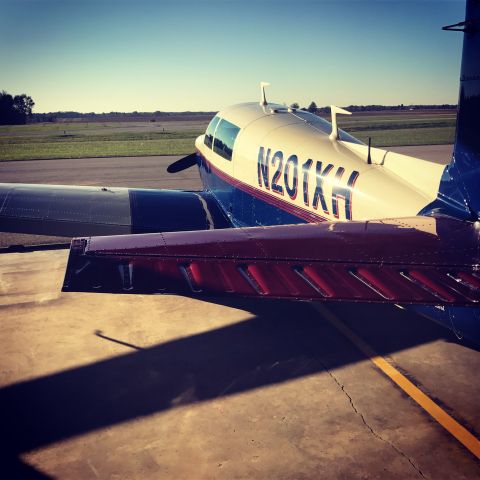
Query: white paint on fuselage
(393, 185)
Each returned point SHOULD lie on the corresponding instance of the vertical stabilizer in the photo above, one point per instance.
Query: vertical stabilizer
(460, 186)
(459, 193)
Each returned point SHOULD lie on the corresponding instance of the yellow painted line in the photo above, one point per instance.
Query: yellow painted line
(443, 418)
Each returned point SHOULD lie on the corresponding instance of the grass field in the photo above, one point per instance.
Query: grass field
(103, 142)
(109, 139)
(402, 129)
(51, 127)
(407, 136)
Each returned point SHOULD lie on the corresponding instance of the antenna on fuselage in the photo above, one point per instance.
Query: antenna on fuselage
(263, 101)
(334, 111)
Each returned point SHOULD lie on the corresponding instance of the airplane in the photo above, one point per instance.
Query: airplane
(292, 207)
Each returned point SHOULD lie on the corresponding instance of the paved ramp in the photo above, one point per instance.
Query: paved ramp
(99, 386)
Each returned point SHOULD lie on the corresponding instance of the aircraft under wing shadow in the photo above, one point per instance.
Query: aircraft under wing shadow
(283, 342)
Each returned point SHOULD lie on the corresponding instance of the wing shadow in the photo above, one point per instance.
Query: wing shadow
(284, 341)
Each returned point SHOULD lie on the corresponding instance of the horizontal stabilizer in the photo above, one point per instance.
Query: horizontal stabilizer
(413, 260)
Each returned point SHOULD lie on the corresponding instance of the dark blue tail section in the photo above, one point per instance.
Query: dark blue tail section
(459, 193)
(464, 322)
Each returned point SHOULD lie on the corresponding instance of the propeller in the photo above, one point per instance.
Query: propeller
(183, 163)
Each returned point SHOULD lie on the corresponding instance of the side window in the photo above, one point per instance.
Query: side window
(210, 131)
(224, 140)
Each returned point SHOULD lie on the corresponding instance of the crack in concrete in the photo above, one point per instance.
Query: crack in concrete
(370, 428)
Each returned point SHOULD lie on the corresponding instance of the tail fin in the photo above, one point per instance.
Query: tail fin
(460, 186)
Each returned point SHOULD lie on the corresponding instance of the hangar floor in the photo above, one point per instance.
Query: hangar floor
(100, 386)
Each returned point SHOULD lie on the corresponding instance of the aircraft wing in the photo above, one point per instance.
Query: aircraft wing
(81, 211)
(422, 260)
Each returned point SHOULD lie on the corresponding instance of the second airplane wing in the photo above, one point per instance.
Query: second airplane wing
(82, 211)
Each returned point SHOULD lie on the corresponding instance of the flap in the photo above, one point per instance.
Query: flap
(421, 260)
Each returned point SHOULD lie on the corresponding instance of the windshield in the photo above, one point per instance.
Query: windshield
(225, 136)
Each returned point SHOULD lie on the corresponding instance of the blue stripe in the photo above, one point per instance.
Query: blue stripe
(243, 209)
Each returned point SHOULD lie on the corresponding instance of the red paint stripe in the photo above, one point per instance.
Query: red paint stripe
(285, 274)
(259, 276)
(378, 283)
(432, 285)
(470, 279)
(319, 281)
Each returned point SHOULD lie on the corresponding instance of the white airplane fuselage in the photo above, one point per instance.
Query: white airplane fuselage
(272, 165)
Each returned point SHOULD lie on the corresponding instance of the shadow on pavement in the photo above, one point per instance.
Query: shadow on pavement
(282, 342)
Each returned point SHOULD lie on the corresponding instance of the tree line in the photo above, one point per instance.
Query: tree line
(15, 110)
(190, 115)
(312, 108)
(119, 116)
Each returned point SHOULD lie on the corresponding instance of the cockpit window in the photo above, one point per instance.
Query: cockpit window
(225, 136)
(210, 131)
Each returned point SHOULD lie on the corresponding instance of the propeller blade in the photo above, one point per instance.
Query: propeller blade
(183, 163)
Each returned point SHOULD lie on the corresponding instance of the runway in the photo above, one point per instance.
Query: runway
(102, 386)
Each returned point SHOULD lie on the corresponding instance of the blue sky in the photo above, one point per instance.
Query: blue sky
(116, 55)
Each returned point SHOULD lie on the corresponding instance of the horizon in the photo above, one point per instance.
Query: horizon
(436, 106)
(183, 55)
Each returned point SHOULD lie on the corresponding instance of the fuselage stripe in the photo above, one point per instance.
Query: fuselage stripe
(275, 201)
